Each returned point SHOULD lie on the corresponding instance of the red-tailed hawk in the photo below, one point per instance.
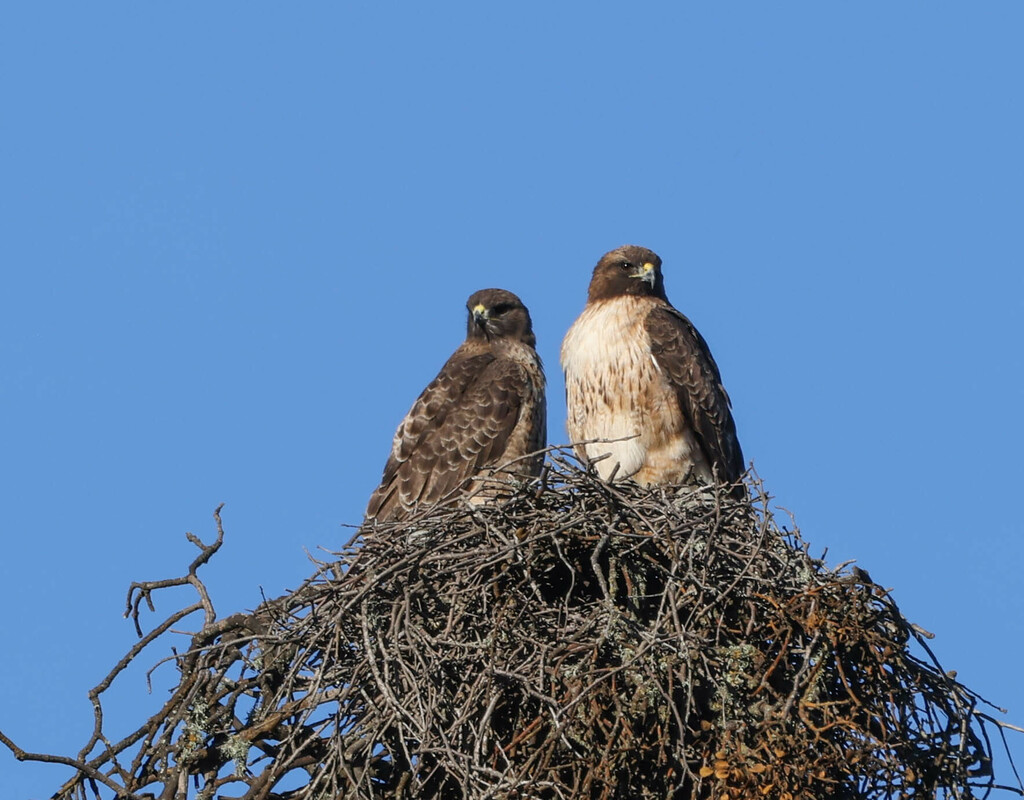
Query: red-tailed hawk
(484, 410)
(637, 370)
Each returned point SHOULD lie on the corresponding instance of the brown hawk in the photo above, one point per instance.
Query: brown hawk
(481, 420)
(637, 371)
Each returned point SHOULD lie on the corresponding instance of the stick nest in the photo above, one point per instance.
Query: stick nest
(577, 641)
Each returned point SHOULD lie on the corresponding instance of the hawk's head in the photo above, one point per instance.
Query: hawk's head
(627, 270)
(497, 314)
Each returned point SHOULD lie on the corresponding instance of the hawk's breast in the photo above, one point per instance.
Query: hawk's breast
(607, 364)
(615, 390)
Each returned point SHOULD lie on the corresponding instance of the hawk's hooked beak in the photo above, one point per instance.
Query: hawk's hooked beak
(480, 314)
(647, 274)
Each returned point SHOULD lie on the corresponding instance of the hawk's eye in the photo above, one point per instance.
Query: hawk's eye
(500, 309)
(626, 265)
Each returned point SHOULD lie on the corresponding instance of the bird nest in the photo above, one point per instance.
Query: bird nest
(578, 641)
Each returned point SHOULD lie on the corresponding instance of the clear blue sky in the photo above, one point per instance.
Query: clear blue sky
(237, 240)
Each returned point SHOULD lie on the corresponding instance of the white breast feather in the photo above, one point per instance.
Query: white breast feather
(607, 364)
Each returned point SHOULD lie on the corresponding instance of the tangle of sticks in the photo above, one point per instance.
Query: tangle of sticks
(577, 641)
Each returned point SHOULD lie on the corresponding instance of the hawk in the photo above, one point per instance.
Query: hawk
(483, 413)
(637, 371)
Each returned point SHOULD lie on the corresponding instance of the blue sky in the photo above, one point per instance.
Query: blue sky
(237, 241)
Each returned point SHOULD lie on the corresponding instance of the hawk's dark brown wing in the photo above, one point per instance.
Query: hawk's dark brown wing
(683, 357)
(458, 426)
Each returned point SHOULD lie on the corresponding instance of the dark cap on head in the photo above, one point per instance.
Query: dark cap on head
(627, 270)
(498, 314)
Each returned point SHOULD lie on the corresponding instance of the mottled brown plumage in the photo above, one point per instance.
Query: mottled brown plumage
(636, 370)
(484, 410)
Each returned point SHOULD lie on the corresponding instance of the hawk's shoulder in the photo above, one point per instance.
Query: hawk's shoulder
(685, 360)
